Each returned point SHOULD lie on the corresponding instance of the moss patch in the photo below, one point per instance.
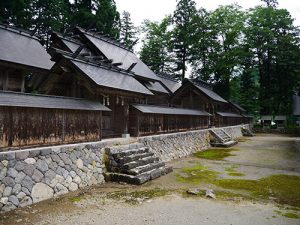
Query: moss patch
(236, 174)
(76, 198)
(284, 188)
(291, 215)
(215, 153)
(197, 174)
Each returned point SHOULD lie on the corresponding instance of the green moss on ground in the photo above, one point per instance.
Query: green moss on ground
(236, 174)
(232, 168)
(291, 215)
(215, 153)
(76, 198)
(282, 188)
(197, 174)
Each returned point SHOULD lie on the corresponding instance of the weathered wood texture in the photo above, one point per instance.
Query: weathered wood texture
(21, 127)
(141, 124)
(220, 121)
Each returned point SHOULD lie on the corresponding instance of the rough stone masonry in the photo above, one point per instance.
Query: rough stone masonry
(30, 176)
(33, 175)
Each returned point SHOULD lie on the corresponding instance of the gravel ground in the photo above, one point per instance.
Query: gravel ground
(258, 157)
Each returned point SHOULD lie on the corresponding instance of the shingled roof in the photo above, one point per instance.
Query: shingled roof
(21, 48)
(171, 84)
(110, 78)
(237, 106)
(119, 54)
(153, 109)
(17, 99)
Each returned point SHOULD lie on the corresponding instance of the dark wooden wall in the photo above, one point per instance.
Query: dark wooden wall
(21, 127)
(147, 124)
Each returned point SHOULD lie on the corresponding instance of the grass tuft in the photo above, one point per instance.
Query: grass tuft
(215, 153)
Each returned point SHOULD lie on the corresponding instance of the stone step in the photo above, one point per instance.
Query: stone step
(139, 179)
(122, 148)
(224, 144)
(130, 152)
(143, 169)
(134, 157)
(140, 162)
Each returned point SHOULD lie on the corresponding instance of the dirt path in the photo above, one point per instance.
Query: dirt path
(164, 201)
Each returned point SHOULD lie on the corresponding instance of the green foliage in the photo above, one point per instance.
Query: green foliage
(215, 153)
(156, 49)
(128, 32)
(183, 33)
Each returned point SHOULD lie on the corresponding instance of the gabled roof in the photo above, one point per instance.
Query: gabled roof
(169, 83)
(238, 107)
(266, 117)
(206, 91)
(296, 105)
(153, 109)
(119, 54)
(228, 114)
(17, 99)
(110, 78)
(280, 118)
(21, 48)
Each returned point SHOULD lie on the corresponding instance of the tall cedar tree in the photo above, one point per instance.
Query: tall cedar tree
(275, 46)
(99, 14)
(182, 33)
(16, 12)
(128, 32)
(227, 23)
(156, 50)
(203, 46)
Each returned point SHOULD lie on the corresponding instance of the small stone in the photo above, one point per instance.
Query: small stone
(40, 192)
(22, 154)
(19, 166)
(79, 163)
(7, 191)
(14, 200)
(60, 189)
(193, 191)
(29, 169)
(30, 161)
(27, 182)
(50, 174)
(10, 156)
(210, 194)
(37, 176)
(77, 179)
(9, 207)
(5, 163)
(20, 177)
(25, 201)
(8, 181)
(17, 188)
(42, 165)
(57, 179)
(46, 151)
(12, 172)
(21, 195)
(4, 200)
(25, 190)
(3, 173)
(73, 187)
(34, 153)
(68, 180)
(72, 174)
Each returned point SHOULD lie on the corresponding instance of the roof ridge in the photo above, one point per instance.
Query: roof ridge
(168, 77)
(19, 31)
(107, 39)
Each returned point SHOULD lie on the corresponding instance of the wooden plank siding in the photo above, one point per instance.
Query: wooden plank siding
(141, 124)
(23, 127)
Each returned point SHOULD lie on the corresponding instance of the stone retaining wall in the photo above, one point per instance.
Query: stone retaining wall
(30, 176)
(177, 145)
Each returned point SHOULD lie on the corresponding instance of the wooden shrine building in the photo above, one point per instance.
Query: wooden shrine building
(34, 120)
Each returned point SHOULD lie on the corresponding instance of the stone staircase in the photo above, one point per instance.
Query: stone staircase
(134, 164)
(247, 132)
(221, 138)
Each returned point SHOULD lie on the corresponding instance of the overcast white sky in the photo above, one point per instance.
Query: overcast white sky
(157, 9)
